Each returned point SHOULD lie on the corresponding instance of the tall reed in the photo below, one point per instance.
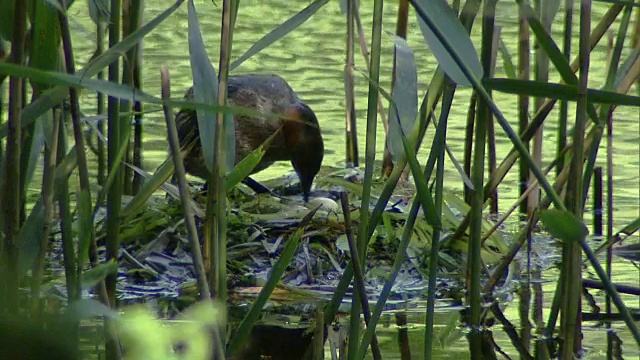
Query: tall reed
(11, 195)
(77, 219)
(351, 140)
(370, 150)
(114, 196)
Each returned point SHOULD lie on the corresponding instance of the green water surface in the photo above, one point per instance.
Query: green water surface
(312, 60)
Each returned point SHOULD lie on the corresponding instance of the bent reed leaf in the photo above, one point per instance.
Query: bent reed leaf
(439, 15)
(280, 31)
(55, 96)
(278, 269)
(405, 96)
(558, 91)
(205, 86)
(95, 275)
(564, 225)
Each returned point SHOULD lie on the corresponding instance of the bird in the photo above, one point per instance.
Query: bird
(299, 139)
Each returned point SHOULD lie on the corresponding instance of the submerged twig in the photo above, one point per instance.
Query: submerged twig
(512, 333)
(135, 262)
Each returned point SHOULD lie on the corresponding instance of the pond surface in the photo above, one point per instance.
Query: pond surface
(312, 60)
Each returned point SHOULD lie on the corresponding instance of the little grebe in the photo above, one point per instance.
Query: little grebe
(299, 139)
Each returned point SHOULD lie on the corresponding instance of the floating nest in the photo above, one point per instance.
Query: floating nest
(156, 264)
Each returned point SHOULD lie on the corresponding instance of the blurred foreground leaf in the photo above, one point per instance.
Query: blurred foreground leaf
(92, 277)
(564, 225)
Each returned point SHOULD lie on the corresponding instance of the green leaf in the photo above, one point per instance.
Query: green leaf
(558, 91)
(99, 11)
(205, 86)
(441, 19)
(244, 168)
(30, 237)
(78, 81)
(6, 19)
(564, 225)
(44, 55)
(626, 67)
(549, 11)
(97, 274)
(54, 96)
(85, 226)
(120, 49)
(89, 308)
(149, 186)
(547, 44)
(113, 171)
(451, 332)
(342, 244)
(44, 52)
(343, 6)
(55, 4)
(230, 142)
(630, 229)
(507, 60)
(242, 334)
(64, 169)
(35, 150)
(553, 52)
(152, 183)
(405, 95)
(280, 31)
(388, 228)
(422, 189)
(109, 88)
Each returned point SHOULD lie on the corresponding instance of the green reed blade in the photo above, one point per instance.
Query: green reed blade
(558, 91)
(53, 97)
(204, 86)
(279, 32)
(441, 16)
(405, 96)
(242, 334)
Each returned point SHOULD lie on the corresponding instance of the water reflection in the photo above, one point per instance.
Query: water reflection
(312, 61)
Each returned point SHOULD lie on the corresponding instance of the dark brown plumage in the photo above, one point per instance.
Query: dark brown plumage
(299, 139)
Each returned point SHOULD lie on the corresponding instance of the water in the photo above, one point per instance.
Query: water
(312, 60)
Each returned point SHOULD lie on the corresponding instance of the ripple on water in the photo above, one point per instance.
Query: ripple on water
(312, 60)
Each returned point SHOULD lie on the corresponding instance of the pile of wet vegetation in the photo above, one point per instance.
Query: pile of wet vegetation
(155, 260)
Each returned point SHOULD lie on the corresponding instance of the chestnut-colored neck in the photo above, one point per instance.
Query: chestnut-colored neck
(300, 128)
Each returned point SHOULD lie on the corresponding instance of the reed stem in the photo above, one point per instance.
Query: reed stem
(350, 111)
(114, 196)
(370, 154)
(11, 195)
(571, 318)
(183, 186)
